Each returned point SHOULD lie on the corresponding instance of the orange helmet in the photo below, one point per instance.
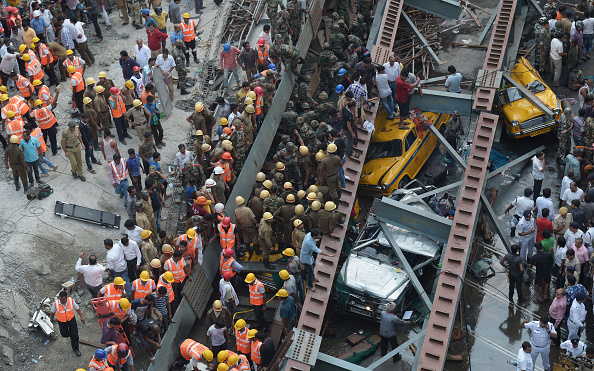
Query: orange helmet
(226, 156)
(227, 130)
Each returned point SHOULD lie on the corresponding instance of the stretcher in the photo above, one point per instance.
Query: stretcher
(103, 218)
(104, 312)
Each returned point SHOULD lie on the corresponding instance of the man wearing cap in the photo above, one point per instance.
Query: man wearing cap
(328, 173)
(98, 361)
(138, 118)
(577, 315)
(228, 63)
(541, 333)
(526, 233)
(63, 308)
(246, 223)
(521, 203)
(14, 156)
(219, 312)
(573, 346)
(118, 109)
(72, 143)
(388, 323)
(220, 186)
(202, 119)
(266, 241)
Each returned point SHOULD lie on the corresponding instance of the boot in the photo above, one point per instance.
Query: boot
(25, 187)
(187, 63)
(17, 184)
(512, 232)
(267, 264)
(184, 91)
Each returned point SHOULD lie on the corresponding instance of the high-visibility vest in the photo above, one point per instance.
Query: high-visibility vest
(21, 105)
(113, 358)
(227, 239)
(262, 54)
(112, 293)
(191, 243)
(168, 286)
(24, 86)
(192, 349)
(38, 134)
(77, 78)
(241, 341)
(256, 297)
(226, 265)
(34, 69)
(226, 176)
(142, 290)
(229, 354)
(98, 364)
(45, 117)
(78, 66)
(45, 55)
(116, 309)
(32, 54)
(244, 363)
(255, 354)
(259, 105)
(15, 127)
(64, 313)
(188, 31)
(177, 269)
(117, 106)
(45, 95)
(117, 175)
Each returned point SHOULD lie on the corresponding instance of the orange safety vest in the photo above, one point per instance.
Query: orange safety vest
(259, 105)
(20, 103)
(37, 134)
(256, 297)
(45, 117)
(78, 80)
(192, 349)
(226, 176)
(32, 54)
(113, 357)
(74, 62)
(168, 286)
(64, 314)
(188, 31)
(262, 54)
(191, 244)
(15, 127)
(255, 355)
(117, 107)
(98, 364)
(116, 309)
(227, 238)
(244, 364)
(116, 174)
(24, 86)
(112, 293)
(241, 341)
(45, 95)
(140, 290)
(45, 56)
(226, 265)
(177, 269)
(34, 69)
(229, 354)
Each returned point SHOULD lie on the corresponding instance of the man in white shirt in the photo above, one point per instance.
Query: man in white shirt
(524, 360)
(521, 204)
(541, 332)
(116, 262)
(393, 71)
(526, 233)
(92, 272)
(49, 31)
(538, 168)
(133, 257)
(228, 294)
(545, 202)
(573, 193)
(265, 34)
(589, 236)
(181, 158)
(572, 233)
(141, 53)
(133, 232)
(556, 57)
(78, 35)
(573, 346)
(577, 315)
(565, 183)
(167, 65)
(218, 336)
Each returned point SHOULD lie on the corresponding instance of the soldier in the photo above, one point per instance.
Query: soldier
(550, 7)
(324, 107)
(337, 42)
(268, 85)
(564, 134)
(313, 143)
(202, 119)
(589, 138)
(328, 173)
(302, 127)
(304, 92)
(72, 143)
(344, 9)
(283, 143)
(15, 157)
(288, 157)
(283, 27)
(359, 28)
(283, 215)
(272, 10)
(265, 238)
(365, 7)
(309, 115)
(340, 22)
(290, 57)
(102, 108)
(179, 57)
(294, 21)
(351, 60)
(326, 62)
(271, 204)
(543, 44)
(289, 118)
(239, 140)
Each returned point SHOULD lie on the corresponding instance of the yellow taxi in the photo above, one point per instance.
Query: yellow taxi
(395, 156)
(521, 117)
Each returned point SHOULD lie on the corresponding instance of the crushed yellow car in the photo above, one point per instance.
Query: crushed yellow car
(521, 117)
(395, 156)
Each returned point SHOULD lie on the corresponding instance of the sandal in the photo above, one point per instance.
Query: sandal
(98, 163)
(92, 171)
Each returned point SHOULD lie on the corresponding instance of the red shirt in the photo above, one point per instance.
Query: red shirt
(541, 225)
(198, 209)
(402, 90)
(155, 38)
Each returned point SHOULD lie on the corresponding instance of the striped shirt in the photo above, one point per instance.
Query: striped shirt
(66, 38)
(161, 304)
(359, 93)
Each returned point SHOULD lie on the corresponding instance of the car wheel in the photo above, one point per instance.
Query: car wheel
(403, 182)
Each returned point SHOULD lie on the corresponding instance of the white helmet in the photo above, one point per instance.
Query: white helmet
(219, 208)
(218, 170)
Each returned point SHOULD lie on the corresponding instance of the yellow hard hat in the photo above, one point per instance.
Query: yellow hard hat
(14, 139)
(264, 194)
(26, 57)
(4, 97)
(87, 100)
(124, 304)
(119, 281)
(250, 109)
(145, 276)
(227, 145)
(251, 94)
(260, 177)
(312, 196)
(304, 150)
(252, 333)
(168, 276)
(240, 324)
(280, 166)
(99, 89)
(199, 107)
(9, 114)
(71, 69)
(217, 305)
(156, 263)
(313, 188)
(267, 184)
(248, 100)
(191, 233)
(129, 84)
(329, 206)
(186, 15)
(320, 155)
(222, 356)
(332, 148)
(284, 274)
(289, 252)
(207, 355)
(36, 39)
(224, 121)
(36, 82)
(199, 132)
(299, 209)
(282, 293)
(239, 200)
(316, 205)
(137, 102)
(287, 185)
(102, 74)
(69, 52)
(297, 222)
(38, 102)
(290, 198)
(22, 48)
(145, 234)
(222, 366)
(250, 277)
(90, 81)
(166, 248)
(3, 89)
(206, 147)
(301, 193)
(32, 46)
(233, 359)
(267, 216)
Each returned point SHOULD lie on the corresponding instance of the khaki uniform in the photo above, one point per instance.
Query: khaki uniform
(108, 84)
(328, 174)
(244, 218)
(203, 121)
(127, 96)
(139, 117)
(72, 143)
(286, 212)
(149, 252)
(142, 221)
(198, 149)
(248, 127)
(297, 240)
(150, 214)
(257, 206)
(265, 239)
(90, 110)
(16, 159)
(327, 220)
(103, 111)
(90, 92)
(313, 216)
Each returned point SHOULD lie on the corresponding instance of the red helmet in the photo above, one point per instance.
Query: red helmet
(226, 156)
(135, 68)
(114, 90)
(228, 252)
(226, 221)
(227, 275)
(258, 90)
(123, 349)
(261, 41)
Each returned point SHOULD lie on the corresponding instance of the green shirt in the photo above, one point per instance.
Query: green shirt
(573, 57)
(547, 245)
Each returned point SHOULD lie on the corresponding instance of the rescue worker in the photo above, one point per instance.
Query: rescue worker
(194, 245)
(226, 232)
(115, 290)
(98, 361)
(63, 309)
(284, 215)
(239, 362)
(71, 143)
(272, 10)
(328, 218)
(33, 68)
(202, 119)
(138, 118)
(106, 83)
(166, 280)
(195, 352)
(189, 33)
(256, 204)
(328, 173)
(265, 237)
(143, 286)
(255, 346)
(229, 264)
(47, 122)
(242, 342)
(24, 86)
(42, 92)
(180, 270)
(48, 61)
(247, 224)
(15, 157)
(257, 299)
(72, 60)
(298, 234)
(180, 66)
(262, 51)
(77, 85)
(118, 109)
(102, 108)
(120, 355)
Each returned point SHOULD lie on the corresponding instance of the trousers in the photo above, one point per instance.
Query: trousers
(70, 329)
(544, 354)
(122, 188)
(393, 341)
(515, 281)
(573, 328)
(556, 70)
(33, 168)
(18, 171)
(75, 158)
(120, 124)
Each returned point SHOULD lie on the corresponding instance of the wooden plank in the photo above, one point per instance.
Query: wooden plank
(92, 344)
(355, 339)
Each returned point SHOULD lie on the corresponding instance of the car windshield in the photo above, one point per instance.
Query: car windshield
(536, 87)
(391, 148)
(511, 95)
(384, 254)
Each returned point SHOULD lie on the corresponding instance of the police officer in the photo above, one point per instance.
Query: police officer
(328, 173)
(137, 20)
(543, 44)
(15, 157)
(265, 237)
(284, 215)
(72, 143)
(541, 333)
(179, 55)
(202, 119)
(246, 223)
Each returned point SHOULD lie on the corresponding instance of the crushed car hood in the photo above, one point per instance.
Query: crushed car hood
(371, 277)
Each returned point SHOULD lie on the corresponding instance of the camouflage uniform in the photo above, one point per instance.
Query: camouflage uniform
(324, 107)
(337, 42)
(136, 15)
(589, 139)
(282, 26)
(344, 7)
(180, 65)
(272, 204)
(548, 8)
(364, 8)
(288, 54)
(340, 22)
(304, 164)
(304, 92)
(288, 156)
(272, 11)
(352, 39)
(359, 27)
(294, 21)
(564, 138)
(351, 62)
(302, 127)
(283, 143)
(239, 144)
(289, 118)
(313, 144)
(543, 38)
(326, 62)
(310, 115)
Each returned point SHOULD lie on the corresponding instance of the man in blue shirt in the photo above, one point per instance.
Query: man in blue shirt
(148, 19)
(134, 166)
(127, 64)
(155, 122)
(308, 248)
(38, 24)
(176, 35)
(287, 310)
(452, 84)
(30, 148)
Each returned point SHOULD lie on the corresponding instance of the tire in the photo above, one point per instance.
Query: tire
(403, 182)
